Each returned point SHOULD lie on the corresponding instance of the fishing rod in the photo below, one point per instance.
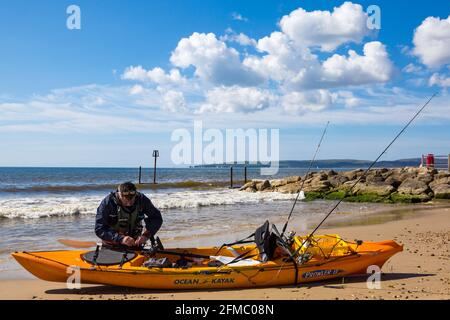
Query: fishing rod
(245, 240)
(303, 182)
(365, 172)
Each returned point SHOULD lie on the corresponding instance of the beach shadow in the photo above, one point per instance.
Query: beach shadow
(113, 290)
(337, 283)
(104, 290)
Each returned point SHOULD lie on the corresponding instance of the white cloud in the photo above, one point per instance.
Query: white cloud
(155, 75)
(298, 69)
(174, 101)
(238, 16)
(349, 99)
(240, 38)
(213, 61)
(235, 99)
(411, 68)
(439, 80)
(372, 67)
(136, 89)
(432, 42)
(284, 76)
(65, 111)
(406, 50)
(283, 60)
(88, 109)
(313, 100)
(324, 29)
(135, 73)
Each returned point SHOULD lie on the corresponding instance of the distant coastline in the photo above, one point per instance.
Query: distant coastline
(324, 164)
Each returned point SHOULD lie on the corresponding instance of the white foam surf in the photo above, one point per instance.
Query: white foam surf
(60, 206)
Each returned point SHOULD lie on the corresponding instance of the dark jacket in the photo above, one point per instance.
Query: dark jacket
(152, 218)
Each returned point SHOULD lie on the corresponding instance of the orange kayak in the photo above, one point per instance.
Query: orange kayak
(325, 257)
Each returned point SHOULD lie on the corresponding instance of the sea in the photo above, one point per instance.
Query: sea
(38, 206)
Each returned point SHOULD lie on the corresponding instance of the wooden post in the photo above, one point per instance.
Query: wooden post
(231, 177)
(154, 172)
(140, 172)
(155, 155)
(245, 174)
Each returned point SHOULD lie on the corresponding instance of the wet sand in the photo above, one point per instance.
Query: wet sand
(421, 271)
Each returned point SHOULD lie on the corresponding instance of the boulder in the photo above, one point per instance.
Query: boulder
(289, 188)
(293, 179)
(281, 182)
(317, 186)
(248, 185)
(427, 178)
(413, 170)
(441, 191)
(407, 175)
(376, 178)
(310, 175)
(352, 175)
(388, 173)
(425, 170)
(380, 189)
(443, 180)
(260, 186)
(321, 176)
(426, 174)
(337, 180)
(393, 181)
(347, 185)
(441, 174)
(417, 184)
(413, 187)
(330, 173)
(278, 182)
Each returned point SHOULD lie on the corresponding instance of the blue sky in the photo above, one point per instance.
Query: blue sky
(92, 97)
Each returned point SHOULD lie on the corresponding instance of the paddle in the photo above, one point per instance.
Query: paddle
(77, 244)
(89, 244)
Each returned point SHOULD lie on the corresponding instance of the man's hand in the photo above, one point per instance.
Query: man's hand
(140, 241)
(128, 241)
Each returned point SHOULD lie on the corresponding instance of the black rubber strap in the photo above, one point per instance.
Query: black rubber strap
(244, 240)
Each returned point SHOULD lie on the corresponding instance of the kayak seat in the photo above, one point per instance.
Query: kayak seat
(107, 257)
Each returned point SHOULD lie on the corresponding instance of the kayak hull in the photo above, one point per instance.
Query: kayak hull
(69, 266)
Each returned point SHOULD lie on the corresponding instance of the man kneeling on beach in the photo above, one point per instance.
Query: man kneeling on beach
(120, 215)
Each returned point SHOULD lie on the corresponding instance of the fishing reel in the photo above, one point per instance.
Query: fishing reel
(155, 246)
(290, 238)
(304, 258)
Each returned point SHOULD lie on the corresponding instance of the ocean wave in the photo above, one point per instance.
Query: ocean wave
(60, 206)
(188, 184)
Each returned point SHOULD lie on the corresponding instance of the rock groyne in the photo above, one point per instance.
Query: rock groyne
(407, 185)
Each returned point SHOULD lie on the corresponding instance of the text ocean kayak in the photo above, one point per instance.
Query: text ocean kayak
(328, 257)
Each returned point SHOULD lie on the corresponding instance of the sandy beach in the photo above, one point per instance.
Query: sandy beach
(421, 271)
